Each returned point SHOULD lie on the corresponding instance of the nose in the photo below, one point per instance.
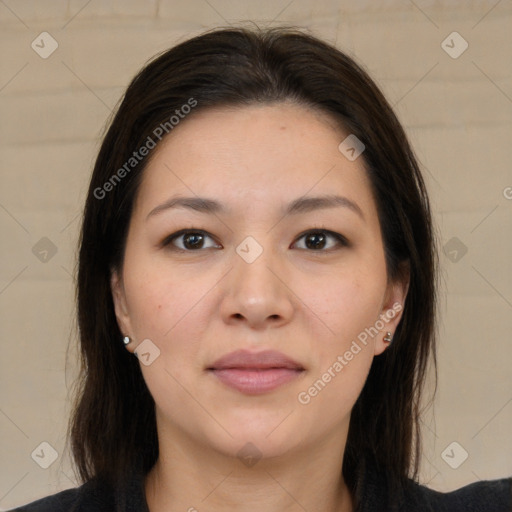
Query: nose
(257, 293)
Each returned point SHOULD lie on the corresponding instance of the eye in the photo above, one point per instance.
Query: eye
(192, 240)
(318, 239)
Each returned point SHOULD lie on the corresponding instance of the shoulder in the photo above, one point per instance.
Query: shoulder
(483, 496)
(95, 495)
(64, 500)
(89, 497)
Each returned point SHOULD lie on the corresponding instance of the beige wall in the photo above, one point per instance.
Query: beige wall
(458, 112)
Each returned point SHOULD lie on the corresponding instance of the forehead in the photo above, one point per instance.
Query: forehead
(242, 156)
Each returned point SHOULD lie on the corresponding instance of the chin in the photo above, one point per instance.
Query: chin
(266, 435)
(252, 448)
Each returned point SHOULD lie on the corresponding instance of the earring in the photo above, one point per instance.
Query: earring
(126, 340)
(388, 338)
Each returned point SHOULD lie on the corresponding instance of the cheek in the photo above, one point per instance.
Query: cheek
(157, 295)
(347, 302)
(342, 348)
(159, 306)
(144, 298)
(171, 308)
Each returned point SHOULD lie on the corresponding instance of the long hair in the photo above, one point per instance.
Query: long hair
(113, 428)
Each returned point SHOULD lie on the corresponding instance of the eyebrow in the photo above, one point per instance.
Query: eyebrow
(298, 206)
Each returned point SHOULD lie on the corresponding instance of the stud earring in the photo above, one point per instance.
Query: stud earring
(388, 338)
(126, 340)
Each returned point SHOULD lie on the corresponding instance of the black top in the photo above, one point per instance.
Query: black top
(483, 496)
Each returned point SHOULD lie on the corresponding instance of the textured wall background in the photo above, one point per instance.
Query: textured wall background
(455, 102)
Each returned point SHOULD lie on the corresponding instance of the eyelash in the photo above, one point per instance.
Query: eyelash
(342, 241)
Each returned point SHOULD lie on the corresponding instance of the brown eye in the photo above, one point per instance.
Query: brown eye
(322, 240)
(190, 240)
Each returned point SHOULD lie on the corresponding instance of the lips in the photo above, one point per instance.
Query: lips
(255, 373)
(259, 360)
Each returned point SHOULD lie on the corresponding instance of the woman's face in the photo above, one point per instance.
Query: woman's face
(255, 279)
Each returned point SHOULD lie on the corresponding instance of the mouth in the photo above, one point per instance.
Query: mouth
(255, 373)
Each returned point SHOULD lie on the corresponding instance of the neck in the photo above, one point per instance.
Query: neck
(190, 478)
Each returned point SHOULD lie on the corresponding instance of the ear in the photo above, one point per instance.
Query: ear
(393, 306)
(120, 307)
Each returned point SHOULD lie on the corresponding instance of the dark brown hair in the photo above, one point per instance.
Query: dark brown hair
(113, 428)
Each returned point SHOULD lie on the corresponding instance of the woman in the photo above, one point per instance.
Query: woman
(256, 292)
